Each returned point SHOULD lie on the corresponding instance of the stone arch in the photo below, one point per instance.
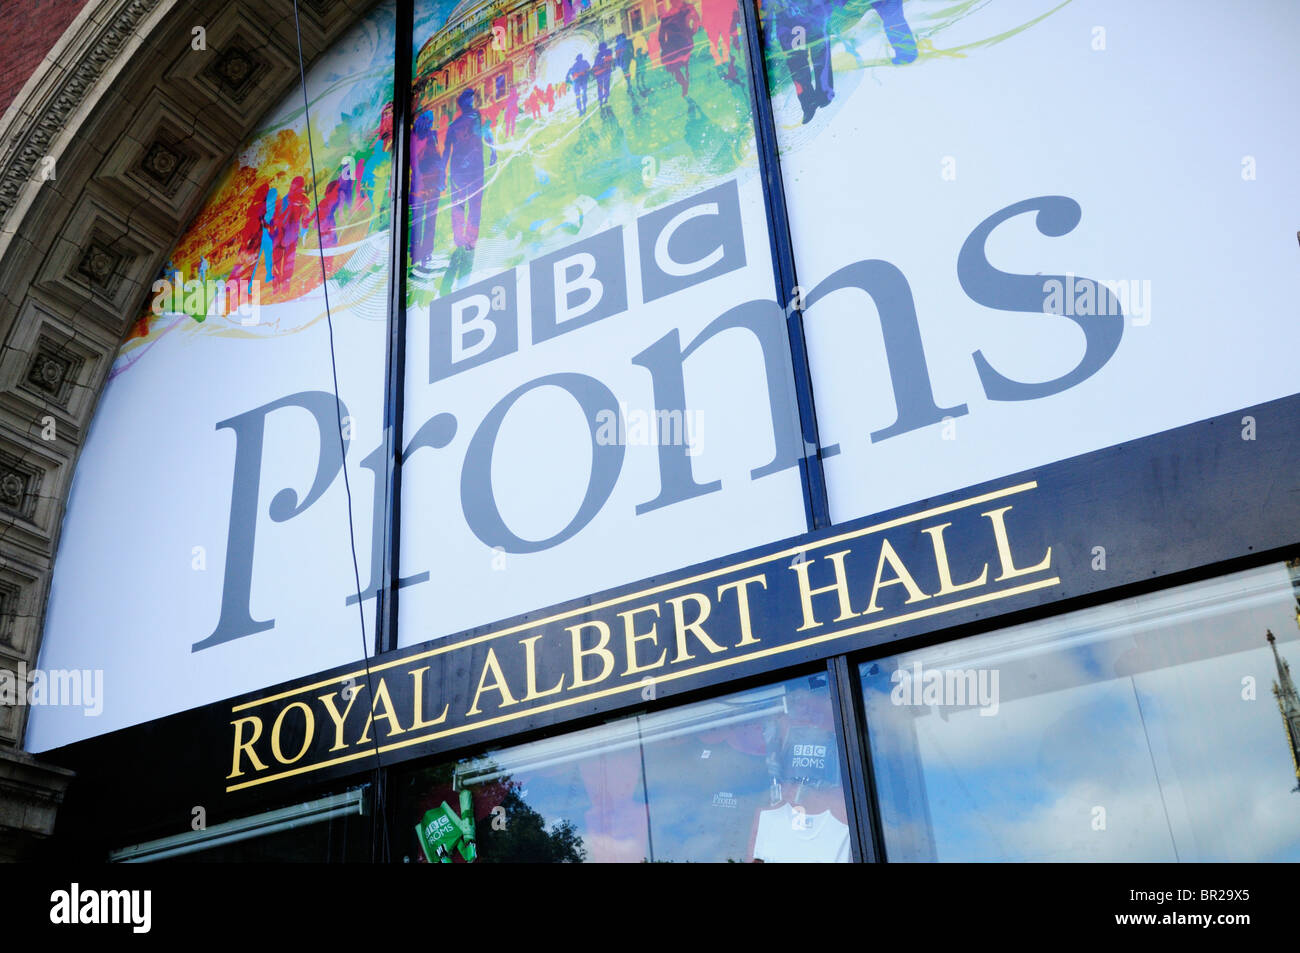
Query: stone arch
(106, 153)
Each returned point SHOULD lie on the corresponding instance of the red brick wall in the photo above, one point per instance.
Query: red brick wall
(28, 30)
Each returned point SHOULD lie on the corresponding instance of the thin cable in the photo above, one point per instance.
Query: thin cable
(645, 792)
(1164, 805)
(338, 414)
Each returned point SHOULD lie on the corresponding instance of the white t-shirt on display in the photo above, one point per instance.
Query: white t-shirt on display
(788, 836)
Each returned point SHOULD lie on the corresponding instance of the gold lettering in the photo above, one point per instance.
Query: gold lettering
(418, 704)
(1009, 570)
(338, 719)
(840, 587)
(490, 664)
(632, 638)
(309, 732)
(901, 577)
(579, 653)
(246, 746)
(696, 628)
(742, 604)
(530, 670)
(946, 586)
(389, 715)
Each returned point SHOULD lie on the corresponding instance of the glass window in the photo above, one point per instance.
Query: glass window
(1159, 728)
(331, 828)
(753, 776)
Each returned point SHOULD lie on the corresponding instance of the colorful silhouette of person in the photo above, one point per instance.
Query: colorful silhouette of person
(245, 242)
(626, 61)
(801, 27)
(678, 22)
(258, 230)
(365, 178)
(286, 228)
(428, 178)
(463, 155)
(549, 98)
(900, 35)
(386, 126)
(511, 113)
(329, 206)
(578, 75)
(372, 170)
(603, 69)
(201, 270)
(721, 19)
(347, 181)
(377, 172)
(642, 68)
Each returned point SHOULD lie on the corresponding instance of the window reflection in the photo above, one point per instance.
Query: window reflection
(1153, 729)
(753, 776)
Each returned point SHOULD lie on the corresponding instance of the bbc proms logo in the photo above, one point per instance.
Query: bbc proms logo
(678, 247)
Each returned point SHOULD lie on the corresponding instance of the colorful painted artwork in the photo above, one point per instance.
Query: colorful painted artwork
(811, 45)
(250, 263)
(542, 122)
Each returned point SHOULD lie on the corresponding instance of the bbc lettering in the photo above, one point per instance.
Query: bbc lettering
(678, 246)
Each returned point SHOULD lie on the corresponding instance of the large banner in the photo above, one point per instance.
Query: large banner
(598, 382)
(598, 376)
(205, 548)
(1029, 229)
(1024, 231)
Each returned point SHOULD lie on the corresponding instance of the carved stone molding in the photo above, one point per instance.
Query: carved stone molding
(102, 263)
(52, 372)
(105, 155)
(20, 484)
(236, 70)
(165, 161)
(20, 162)
(49, 375)
(30, 795)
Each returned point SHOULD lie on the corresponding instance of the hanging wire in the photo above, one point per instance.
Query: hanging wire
(380, 794)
